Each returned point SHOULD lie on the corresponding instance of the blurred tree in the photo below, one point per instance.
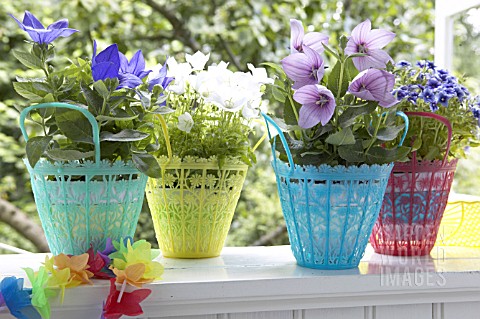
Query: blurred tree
(240, 32)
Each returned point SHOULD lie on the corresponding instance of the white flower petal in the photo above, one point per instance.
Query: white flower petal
(185, 122)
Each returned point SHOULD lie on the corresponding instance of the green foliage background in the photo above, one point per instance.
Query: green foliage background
(245, 31)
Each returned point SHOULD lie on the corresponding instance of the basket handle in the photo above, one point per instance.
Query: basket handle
(86, 113)
(441, 119)
(269, 121)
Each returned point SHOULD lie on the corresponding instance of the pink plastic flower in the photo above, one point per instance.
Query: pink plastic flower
(298, 38)
(370, 42)
(374, 85)
(318, 105)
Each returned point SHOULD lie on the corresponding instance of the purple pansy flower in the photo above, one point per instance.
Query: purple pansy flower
(298, 38)
(370, 42)
(374, 85)
(304, 68)
(106, 64)
(318, 105)
(37, 31)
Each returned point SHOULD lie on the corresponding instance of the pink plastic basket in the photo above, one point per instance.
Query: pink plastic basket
(413, 206)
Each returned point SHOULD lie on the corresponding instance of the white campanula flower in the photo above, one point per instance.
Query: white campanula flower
(253, 108)
(259, 74)
(198, 60)
(179, 71)
(185, 122)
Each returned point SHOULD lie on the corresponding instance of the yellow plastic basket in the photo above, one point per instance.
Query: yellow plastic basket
(461, 222)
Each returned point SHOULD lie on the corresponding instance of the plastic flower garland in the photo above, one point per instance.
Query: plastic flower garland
(343, 116)
(209, 111)
(426, 88)
(124, 263)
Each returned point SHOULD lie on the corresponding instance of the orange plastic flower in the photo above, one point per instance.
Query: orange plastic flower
(78, 267)
(133, 275)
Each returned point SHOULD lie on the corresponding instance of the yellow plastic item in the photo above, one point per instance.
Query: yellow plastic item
(460, 224)
(193, 203)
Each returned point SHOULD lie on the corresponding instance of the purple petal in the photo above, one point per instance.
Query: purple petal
(378, 38)
(388, 100)
(110, 54)
(123, 62)
(20, 24)
(94, 52)
(361, 63)
(302, 82)
(297, 66)
(309, 115)
(314, 40)
(379, 57)
(296, 35)
(104, 70)
(31, 21)
(351, 47)
(360, 32)
(315, 58)
(51, 35)
(143, 74)
(306, 95)
(137, 63)
(128, 80)
(60, 24)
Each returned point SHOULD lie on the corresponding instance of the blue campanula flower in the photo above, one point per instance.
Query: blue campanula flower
(37, 31)
(159, 78)
(106, 64)
(132, 72)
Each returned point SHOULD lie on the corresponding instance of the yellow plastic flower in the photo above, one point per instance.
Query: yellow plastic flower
(78, 267)
(133, 275)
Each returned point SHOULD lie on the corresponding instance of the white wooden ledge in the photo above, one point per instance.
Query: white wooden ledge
(265, 282)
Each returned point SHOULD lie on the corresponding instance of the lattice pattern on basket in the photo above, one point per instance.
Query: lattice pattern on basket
(82, 204)
(461, 224)
(192, 205)
(413, 207)
(330, 212)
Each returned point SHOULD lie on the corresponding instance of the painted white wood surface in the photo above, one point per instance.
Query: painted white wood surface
(266, 283)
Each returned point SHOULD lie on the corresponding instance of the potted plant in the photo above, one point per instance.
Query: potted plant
(330, 162)
(204, 153)
(444, 123)
(89, 162)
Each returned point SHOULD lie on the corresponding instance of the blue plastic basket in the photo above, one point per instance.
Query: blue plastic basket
(329, 211)
(83, 203)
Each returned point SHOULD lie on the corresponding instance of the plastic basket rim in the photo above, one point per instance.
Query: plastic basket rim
(328, 172)
(425, 166)
(105, 167)
(193, 162)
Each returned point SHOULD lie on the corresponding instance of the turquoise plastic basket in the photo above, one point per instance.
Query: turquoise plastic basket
(84, 202)
(329, 211)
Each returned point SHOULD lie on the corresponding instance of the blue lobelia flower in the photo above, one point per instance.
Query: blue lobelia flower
(37, 31)
(442, 98)
(428, 95)
(403, 64)
(106, 64)
(18, 299)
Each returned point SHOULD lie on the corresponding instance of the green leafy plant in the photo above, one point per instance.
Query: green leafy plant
(210, 112)
(114, 90)
(341, 117)
(426, 88)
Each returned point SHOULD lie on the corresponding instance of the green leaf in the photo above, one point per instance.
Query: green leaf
(352, 153)
(74, 125)
(126, 135)
(347, 118)
(278, 69)
(390, 132)
(36, 147)
(163, 110)
(28, 91)
(115, 118)
(380, 155)
(68, 155)
(344, 137)
(94, 100)
(101, 88)
(338, 85)
(28, 59)
(289, 114)
(350, 69)
(147, 164)
(278, 94)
